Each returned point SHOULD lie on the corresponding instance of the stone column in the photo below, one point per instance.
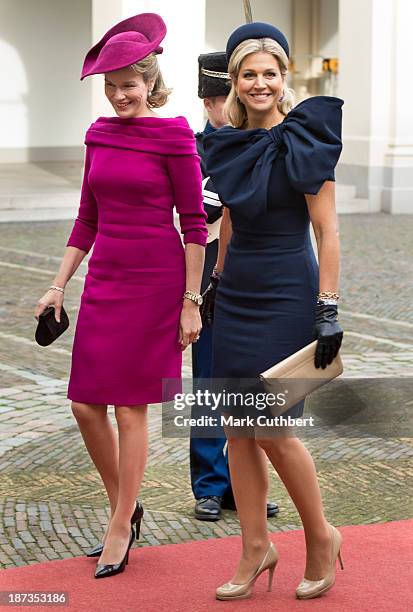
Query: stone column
(398, 174)
(304, 46)
(105, 13)
(185, 40)
(375, 83)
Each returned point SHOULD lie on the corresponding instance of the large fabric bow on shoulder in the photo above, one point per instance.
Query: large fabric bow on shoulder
(240, 161)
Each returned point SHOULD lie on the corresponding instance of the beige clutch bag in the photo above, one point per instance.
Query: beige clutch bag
(297, 376)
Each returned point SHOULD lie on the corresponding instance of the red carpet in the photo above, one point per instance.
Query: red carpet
(183, 577)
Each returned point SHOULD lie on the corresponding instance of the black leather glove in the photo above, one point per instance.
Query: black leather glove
(329, 334)
(208, 304)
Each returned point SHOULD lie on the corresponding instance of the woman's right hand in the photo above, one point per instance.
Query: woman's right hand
(52, 297)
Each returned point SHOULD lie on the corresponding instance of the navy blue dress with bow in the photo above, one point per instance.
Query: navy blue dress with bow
(266, 298)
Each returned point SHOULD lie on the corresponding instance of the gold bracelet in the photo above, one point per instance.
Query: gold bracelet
(328, 295)
(193, 296)
(57, 288)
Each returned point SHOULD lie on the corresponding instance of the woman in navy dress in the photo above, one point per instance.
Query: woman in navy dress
(274, 170)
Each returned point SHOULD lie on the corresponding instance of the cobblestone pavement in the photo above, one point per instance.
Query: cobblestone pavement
(52, 503)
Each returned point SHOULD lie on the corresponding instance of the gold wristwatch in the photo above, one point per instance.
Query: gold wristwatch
(194, 297)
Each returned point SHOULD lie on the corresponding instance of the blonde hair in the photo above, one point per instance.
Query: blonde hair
(235, 110)
(151, 72)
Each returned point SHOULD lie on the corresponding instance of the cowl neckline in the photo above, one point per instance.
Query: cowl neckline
(163, 136)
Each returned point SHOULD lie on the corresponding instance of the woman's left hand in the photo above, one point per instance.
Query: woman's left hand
(329, 334)
(190, 324)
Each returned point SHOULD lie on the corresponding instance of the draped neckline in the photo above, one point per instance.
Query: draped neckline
(161, 135)
(150, 119)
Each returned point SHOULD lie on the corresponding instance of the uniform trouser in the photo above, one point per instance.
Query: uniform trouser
(208, 456)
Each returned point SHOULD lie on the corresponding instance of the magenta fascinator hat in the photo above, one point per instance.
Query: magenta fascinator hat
(128, 42)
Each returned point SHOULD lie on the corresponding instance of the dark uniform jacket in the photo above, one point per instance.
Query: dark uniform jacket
(212, 204)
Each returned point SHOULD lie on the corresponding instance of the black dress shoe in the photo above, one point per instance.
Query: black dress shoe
(229, 504)
(105, 570)
(208, 508)
(136, 519)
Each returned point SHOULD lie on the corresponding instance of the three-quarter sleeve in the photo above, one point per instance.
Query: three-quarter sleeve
(186, 181)
(85, 227)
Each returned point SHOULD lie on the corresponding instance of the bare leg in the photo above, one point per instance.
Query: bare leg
(133, 450)
(249, 477)
(296, 469)
(102, 445)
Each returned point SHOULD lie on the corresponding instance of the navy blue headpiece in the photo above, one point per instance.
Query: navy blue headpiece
(256, 29)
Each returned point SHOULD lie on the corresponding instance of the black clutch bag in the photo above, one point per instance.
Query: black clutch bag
(48, 329)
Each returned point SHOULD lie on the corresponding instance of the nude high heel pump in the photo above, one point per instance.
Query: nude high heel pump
(308, 589)
(231, 591)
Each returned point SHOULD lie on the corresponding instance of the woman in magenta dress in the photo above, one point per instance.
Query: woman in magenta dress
(140, 304)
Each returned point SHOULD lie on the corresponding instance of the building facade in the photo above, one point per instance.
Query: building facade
(356, 49)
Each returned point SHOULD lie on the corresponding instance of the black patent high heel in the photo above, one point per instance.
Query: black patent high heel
(136, 519)
(105, 570)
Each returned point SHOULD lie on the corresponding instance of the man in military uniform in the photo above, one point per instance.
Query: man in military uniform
(210, 479)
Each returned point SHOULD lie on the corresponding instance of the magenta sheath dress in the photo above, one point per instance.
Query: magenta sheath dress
(126, 339)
